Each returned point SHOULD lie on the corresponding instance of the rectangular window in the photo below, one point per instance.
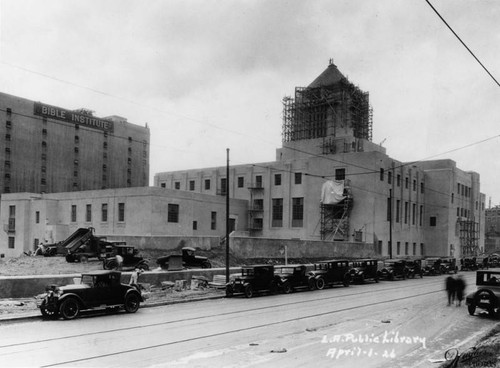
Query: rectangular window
(297, 212)
(163, 185)
(12, 211)
(406, 212)
(12, 242)
(277, 179)
(406, 248)
(177, 185)
(191, 185)
(241, 181)
(421, 216)
(422, 187)
(398, 180)
(37, 217)
(389, 214)
(195, 225)
(414, 249)
(422, 249)
(406, 182)
(88, 213)
(414, 185)
(73, 213)
(223, 186)
(173, 213)
(213, 220)
(414, 214)
(339, 174)
(258, 204)
(277, 215)
(104, 212)
(398, 250)
(433, 221)
(381, 174)
(121, 212)
(389, 177)
(398, 206)
(258, 181)
(207, 184)
(298, 178)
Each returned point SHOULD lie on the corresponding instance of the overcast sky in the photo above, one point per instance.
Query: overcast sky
(210, 75)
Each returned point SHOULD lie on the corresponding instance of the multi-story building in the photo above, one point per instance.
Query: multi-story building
(404, 209)
(47, 149)
(492, 232)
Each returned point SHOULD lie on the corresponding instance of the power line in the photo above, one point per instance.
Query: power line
(463, 43)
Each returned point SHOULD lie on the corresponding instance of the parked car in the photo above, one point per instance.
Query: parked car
(189, 259)
(448, 265)
(394, 268)
(494, 260)
(415, 267)
(95, 290)
(469, 264)
(335, 271)
(291, 277)
(131, 258)
(253, 279)
(363, 270)
(487, 295)
(432, 266)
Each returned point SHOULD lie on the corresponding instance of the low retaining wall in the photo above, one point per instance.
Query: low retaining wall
(28, 286)
(168, 242)
(275, 248)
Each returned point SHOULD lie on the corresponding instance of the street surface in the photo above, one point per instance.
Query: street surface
(398, 324)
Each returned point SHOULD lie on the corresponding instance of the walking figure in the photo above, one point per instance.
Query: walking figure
(450, 289)
(460, 287)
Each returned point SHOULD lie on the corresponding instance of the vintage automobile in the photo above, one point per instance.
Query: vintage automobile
(292, 277)
(363, 270)
(432, 266)
(94, 290)
(487, 295)
(331, 272)
(414, 268)
(494, 260)
(469, 264)
(448, 265)
(189, 259)
(131, 258)
(253, 279)
(394, 268)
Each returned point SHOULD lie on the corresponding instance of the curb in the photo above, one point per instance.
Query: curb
(36, 314)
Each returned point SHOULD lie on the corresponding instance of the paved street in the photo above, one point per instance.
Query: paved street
(400, 323)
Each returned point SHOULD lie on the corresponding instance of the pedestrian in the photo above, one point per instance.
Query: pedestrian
(134, 278)
(450, 289)
(460, 287)
(119, 262)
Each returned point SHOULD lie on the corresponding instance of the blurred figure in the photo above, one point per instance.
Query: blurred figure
(451, 289)
(119, 262)
(460, 287)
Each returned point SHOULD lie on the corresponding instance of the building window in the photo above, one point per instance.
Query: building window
(398, 180)
(433, 221)
(104, 212)
(77, 139)
(389, 177)
(37, 217)
(105, 145)
(173, 212)
(191, 185)
(223, 186)
(414, 214)
(406, 212)
(258, 181)
(389, 214)
(195, 225)
(406, 248)
(277, 212)
(241, 181)
(73, 213)
(422, 249)
(297, 212)
(422, 187)
(277, 179)
(298, 178)
(414, 185)
(121, 212)
(398, 248)
(213, 220)
(414, 249)
(452, 197)
(207, 184)
(88, 213)
(398, 206)
(12, 242)
(406, 182)
(177, 185)
(7, 137)
(163, 185)
(421, 216)
(381, 174)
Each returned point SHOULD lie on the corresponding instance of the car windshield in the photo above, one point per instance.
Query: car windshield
(286, 270)
(87, 280)
(247, 271)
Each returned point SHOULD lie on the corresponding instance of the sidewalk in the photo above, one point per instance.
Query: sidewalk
(25, 308)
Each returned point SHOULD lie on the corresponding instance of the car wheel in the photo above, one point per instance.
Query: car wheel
(206, 264)
(471, 308)
(144, 266)
(229, 291)
(248, 291)
(83, 259)
(287, 288)
(320, 283)
(49, 311)
(70, 258)
(311, 283)
(69, 308)
(132, 302)
(110, 265)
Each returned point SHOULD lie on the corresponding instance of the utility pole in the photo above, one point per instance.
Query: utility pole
(390, 223)
(227, 216)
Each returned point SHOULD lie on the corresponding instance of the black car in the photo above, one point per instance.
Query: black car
(415, 268)
(291, 277)
(363, 270)
(394, 268)
(253, 279)
(95, 290)
(331, 272)
(131, 258)
(189, 260)
(487, 295)
(432, 266)
(448, 265)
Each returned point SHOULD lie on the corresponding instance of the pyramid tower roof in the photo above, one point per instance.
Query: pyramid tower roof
(329, 77)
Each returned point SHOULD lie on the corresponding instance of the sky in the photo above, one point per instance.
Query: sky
(209, 75)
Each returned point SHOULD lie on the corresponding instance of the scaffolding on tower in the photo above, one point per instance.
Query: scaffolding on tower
(469, 237)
